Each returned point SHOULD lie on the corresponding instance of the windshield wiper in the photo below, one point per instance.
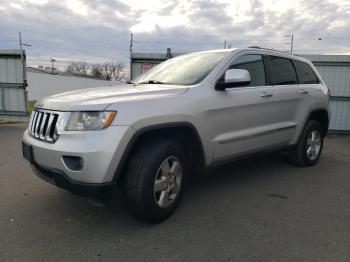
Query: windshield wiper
(152, 82)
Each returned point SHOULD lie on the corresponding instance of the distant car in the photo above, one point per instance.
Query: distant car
(183, 116)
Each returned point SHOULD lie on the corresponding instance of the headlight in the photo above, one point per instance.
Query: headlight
(89, 120)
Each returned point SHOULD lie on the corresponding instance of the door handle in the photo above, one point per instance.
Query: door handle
(265, 94)
(303, 91)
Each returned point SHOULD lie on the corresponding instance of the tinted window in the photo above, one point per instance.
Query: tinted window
(254, 64)
(281, 71)
(305, 73)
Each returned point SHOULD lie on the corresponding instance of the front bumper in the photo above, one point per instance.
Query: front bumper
(100, 151)
(59, 179)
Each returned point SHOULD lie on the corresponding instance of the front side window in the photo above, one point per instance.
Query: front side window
(254, 65)
(182, 70)
(305, 73)
(281, 71)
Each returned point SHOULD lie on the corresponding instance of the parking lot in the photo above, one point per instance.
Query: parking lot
(261, 209)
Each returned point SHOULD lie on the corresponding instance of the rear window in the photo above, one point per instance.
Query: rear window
(305, 73)
(281, 71)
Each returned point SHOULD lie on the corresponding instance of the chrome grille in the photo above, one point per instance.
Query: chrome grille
(43, 125)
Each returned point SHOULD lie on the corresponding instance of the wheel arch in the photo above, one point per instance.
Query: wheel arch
(183, 132)
(320, 115)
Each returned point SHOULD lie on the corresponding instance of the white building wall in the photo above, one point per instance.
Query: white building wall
(41, 85)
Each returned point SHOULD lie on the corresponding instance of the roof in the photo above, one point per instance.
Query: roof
(152, 56)
(12, 52)
(163, 56)
(328, 58)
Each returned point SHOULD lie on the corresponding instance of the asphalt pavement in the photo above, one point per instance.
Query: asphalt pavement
(261, 209)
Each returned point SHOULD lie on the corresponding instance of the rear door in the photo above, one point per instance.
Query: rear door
(291, 97)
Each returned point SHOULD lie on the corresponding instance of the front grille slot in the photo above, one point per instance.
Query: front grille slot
(42, 125)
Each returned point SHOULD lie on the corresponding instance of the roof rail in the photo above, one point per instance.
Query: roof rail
(271, 49)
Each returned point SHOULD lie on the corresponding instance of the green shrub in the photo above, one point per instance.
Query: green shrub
(31, 105)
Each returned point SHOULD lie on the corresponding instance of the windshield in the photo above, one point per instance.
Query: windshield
(182, 70)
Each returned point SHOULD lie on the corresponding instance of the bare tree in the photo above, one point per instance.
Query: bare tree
(77, 68)
(108, 70)
(118, 72)
(96, 71)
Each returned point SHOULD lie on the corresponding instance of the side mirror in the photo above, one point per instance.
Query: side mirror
(234, 77)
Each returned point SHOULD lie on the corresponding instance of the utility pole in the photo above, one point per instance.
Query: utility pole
(20, 47)
(131, 45)
(21, 44)
(131, 41)
(20, 40)
(225, 44)
(24, 75)
(291, 44)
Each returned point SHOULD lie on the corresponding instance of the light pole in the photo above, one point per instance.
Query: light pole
(52, 60)
(291, 43)
(21, 44)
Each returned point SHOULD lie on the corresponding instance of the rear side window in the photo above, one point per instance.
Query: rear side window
(254, 65)
(305, 73)
(281, 71)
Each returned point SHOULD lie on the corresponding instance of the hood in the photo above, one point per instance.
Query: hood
(99, 98)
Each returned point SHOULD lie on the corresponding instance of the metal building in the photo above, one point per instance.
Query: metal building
(142, 62)
(334, 69)
(13, 95)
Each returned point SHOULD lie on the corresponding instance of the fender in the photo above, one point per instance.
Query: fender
(158, 127)
(309, 115)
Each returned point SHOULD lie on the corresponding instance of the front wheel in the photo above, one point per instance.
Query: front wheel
(155, 179)
(309, 147)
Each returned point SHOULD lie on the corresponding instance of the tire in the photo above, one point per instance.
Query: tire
(301, 154)
(150, 200)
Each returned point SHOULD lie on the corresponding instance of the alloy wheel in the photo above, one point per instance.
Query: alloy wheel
(168, 182)
(313, 145)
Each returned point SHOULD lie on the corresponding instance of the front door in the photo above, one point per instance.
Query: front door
(243, 117)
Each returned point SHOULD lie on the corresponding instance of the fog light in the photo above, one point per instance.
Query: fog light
(74, 163)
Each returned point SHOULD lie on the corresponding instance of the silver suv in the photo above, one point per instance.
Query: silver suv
(185, 115)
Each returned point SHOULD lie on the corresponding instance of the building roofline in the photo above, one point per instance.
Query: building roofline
(156, 57)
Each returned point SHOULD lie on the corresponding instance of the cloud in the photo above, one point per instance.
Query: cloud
(54, 30)
(99, 30)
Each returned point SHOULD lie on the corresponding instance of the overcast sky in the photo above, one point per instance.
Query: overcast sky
(99, 30)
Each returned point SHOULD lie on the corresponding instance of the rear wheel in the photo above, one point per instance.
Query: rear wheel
(309, 147)
(155, 179)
